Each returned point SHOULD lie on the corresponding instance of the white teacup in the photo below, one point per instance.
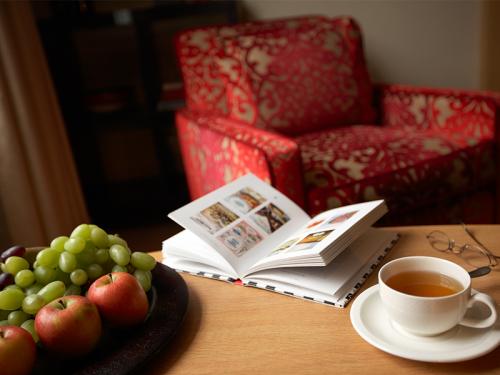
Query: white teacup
(427, 316)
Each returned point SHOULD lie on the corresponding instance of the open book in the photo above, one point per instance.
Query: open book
(250, 233)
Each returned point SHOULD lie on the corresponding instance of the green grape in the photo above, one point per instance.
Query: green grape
(24, 278)
(142, 261)
(94, 271)
(119, 254)
(144, 278)
(33, 303)
(44, 275)
(4, 314)
(101, 256)
(4, 322)
(52, 291)
(89, 246)
(15, 264)
(82, 231)
(67, 262)
(33, 289)
(63, 276)
(78, 277)
(115, 239)
(75, 245)
(17, 317)
(99, 237)
(58, 243)
(2, 267)
(86, 257)
(118, 268)
(29, 325)
(73, 290)
(11, 299)
(13, 286)
(48, 257)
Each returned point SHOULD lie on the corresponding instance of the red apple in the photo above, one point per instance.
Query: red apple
(69, 325)
(119, 298)
(17, 351)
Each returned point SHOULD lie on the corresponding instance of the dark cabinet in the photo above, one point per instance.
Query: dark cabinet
(118, 84)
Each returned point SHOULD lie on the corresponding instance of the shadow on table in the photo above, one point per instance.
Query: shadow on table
(168, 356)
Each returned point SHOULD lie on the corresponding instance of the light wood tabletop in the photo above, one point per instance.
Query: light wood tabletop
(231, 329)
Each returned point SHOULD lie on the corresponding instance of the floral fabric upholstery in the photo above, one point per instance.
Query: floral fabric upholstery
(197, 50)
(408, 167)
(431, 153)
(298, 80)
(217, 150)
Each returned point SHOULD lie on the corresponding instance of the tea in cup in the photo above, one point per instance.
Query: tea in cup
(427, 296)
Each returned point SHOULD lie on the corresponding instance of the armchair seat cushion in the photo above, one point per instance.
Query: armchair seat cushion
(407, 167)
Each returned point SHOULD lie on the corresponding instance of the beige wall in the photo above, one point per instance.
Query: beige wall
(434, 43)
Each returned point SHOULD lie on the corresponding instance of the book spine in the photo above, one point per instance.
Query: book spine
(368, 271)
(209, 275)
(291, 294)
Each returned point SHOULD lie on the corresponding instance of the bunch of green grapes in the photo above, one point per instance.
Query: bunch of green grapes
(67, 267)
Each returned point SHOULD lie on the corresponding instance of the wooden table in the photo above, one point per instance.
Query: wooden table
(231, 329)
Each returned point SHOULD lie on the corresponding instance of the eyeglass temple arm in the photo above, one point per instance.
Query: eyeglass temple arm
(471, 235)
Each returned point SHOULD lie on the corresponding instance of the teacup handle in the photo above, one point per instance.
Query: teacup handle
(481, 323)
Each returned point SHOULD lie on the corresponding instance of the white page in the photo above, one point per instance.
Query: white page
(234, 220)
(190, 247)
(321, 231)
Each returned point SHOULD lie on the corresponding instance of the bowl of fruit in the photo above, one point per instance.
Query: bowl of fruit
(86, 304)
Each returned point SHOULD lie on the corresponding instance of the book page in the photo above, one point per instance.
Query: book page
(243, 221)
(319, 233)
(190, 247)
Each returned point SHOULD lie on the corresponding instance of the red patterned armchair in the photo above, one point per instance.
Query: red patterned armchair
(291, 101)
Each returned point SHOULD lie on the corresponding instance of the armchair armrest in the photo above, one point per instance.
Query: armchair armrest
(216, 150)
(474, 114)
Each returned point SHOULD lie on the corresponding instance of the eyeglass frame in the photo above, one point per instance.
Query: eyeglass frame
(492, 258)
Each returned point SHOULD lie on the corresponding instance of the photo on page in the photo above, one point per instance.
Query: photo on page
(240, 238)
(338, 219)
(311, 240)
(215, 217)
(245, 200)
(270, 218)
(284, 246)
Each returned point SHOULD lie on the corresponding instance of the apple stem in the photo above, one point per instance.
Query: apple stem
(2, 335)
(61, 302)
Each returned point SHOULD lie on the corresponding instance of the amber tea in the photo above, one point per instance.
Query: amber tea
(424, 284)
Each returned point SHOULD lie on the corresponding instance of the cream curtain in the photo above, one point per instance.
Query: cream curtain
(40, 194)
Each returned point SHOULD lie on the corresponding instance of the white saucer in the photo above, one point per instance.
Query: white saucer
(461, 343)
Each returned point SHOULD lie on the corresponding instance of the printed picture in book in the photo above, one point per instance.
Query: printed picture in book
(243, 213)
(240, 238)
(245, 200)
(332, 221)
(311, 239)
(270, 218)
(215, 217)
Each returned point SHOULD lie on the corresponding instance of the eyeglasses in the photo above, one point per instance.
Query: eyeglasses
(475, 255)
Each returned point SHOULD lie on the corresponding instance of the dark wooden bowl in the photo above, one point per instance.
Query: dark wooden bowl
(123, 351)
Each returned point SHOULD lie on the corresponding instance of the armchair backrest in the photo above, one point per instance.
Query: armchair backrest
(292, 75)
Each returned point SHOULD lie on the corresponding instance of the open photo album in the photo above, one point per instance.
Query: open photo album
(248, 232)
